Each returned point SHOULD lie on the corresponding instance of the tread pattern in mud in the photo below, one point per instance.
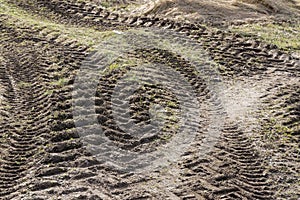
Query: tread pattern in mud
(281, 133)
(43, 154)
(32, 72)
(236, 55)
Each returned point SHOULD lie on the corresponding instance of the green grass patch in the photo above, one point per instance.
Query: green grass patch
(120, 64)
(18, 17)
(285, 36)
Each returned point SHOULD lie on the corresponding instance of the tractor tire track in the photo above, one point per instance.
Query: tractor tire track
(237, 55)
(32, 99)
(39, 134)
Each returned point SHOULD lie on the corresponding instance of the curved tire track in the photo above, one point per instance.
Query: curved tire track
(43, 140)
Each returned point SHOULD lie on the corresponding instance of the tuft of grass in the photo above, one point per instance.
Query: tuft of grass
(120, 64)
(172, 104)
(285, 36)
(61, 82)
(114, 66)
(6, 107)
(49, 92)
(166, 137)
(23, 84)
(274, 131)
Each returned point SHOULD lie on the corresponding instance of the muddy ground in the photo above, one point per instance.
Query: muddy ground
(248, 98)
(220, 12)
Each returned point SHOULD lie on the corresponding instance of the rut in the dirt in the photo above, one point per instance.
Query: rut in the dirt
(43, 156)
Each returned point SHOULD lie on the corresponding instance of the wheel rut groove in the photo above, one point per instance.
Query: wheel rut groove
(43, 155)
(236, 54)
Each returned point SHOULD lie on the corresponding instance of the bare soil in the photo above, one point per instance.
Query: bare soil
(43, 155)
(216, 12)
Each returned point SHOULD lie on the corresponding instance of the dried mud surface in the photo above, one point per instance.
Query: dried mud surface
(44, 157)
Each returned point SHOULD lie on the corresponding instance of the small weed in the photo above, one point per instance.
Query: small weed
(7, 107)
(172, 104)
(5, 136)
(23, 84)
(105, 4)
(49, 92)
(166, 137)
(56, 114)
(114, 66)
(60, 83)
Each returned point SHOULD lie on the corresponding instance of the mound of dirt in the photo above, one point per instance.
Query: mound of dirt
(215, 10)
